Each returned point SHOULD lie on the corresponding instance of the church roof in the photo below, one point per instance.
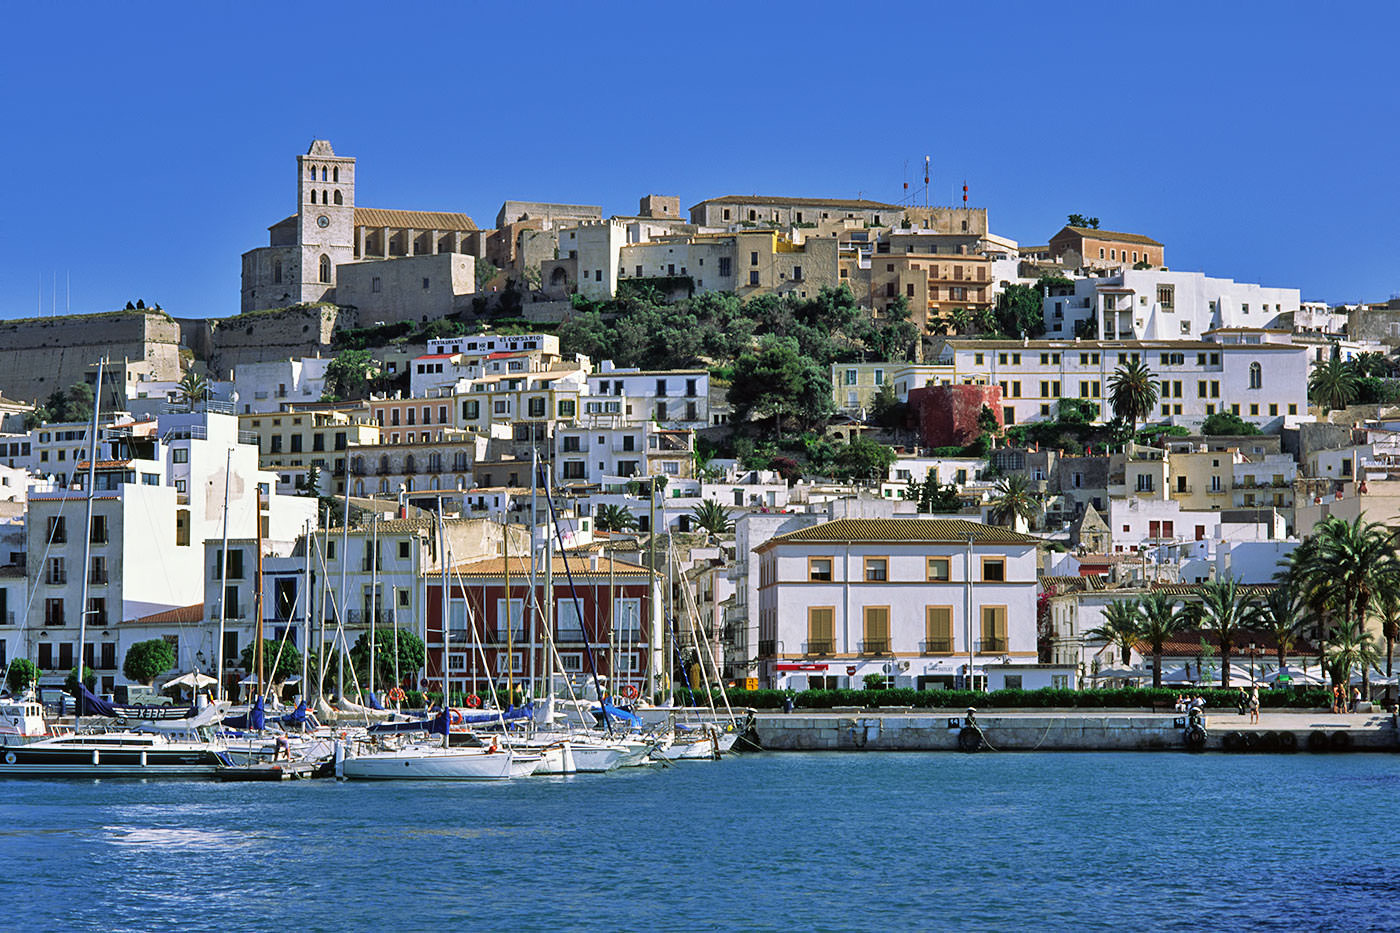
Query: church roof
(418, 220)
(1093, 233)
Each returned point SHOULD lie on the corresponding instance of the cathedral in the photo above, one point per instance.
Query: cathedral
(390, 265)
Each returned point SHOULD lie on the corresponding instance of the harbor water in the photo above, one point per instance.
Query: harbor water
(796, 841)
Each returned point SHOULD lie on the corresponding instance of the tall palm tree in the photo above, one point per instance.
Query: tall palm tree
(1120, 628)
(192, 387)
(614, 518)
(1370, 364)
(1132, 392)
(1332, 384)
(1015, 500)
(1161, 619)
(712, 517)
(961, 319)
(1279, 615)
(1352, 647)
(1225, 611)
(1345, 566)
(1388, 612)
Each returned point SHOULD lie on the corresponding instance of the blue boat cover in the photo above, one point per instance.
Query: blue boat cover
(439, 724)
(373, 700)
(297, 716)
(617, 712)
(90, 704)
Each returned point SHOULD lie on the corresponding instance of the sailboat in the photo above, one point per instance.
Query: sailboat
(422, 760)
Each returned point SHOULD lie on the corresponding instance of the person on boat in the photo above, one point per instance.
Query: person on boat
(283, 748)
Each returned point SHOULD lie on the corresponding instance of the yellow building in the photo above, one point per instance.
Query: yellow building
(318, 437)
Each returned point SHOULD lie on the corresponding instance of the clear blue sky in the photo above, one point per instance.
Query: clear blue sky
(147, 146)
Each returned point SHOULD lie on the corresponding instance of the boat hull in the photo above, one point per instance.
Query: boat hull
(34, 760)
(450, 766)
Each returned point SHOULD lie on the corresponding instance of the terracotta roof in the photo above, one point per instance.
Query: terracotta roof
(418, 220)
(1061, 585)
(1195, 589)
(860, 204)
(1093, 234)
(1188, 643)
(914, 530)
(520, 569)
(184, 615)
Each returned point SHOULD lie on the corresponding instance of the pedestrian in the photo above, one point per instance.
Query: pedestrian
(1336, 699)
(1242, 701)
(1254, 704)
(1355, 698)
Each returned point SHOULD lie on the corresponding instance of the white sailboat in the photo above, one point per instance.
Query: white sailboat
(420, 761)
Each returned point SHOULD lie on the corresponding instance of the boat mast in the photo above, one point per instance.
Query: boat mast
(373, 592)
(258, 592)
(547, 476)
(534, 581)
(510, 622)
(306, 614)
(223, 583)
(87, 533)
(442, 559)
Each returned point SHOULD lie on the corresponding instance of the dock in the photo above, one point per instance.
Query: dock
(276, 771)
(1316, 731)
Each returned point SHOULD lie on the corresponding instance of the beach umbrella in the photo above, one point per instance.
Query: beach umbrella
(1294, 676)
(1177, 676)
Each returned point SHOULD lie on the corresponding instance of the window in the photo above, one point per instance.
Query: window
(1256, 376)
(568, 408)
(994, 569)
(516, 620)
(876, 625)
(820, 625)
(536, 407)
(627, 617)
(570, 625)
(819, 569)
(876, 569)
(753, 259)
(938, 630)
(940, 569)
(753, 278)
(993, 629)
(724, 266)
(325, 269)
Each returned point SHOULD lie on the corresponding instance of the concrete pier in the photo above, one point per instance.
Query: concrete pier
(1072, 730)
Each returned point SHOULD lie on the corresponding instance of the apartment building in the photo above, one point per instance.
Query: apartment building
(677, 398)
(445, 462)
(524, 408)
(609, 455)
(293, 441)
(271, 386)
(763, 211)
(1091, 248)
(914, 599)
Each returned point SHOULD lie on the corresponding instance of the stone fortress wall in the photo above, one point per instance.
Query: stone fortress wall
(40, 355)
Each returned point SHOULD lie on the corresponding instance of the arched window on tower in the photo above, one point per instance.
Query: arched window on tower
(325, 269)
(1256, 376)
(277, 271)
(335, 174)
(313, 195)
(325, 196)
(338, 198)
(323, 173)
(312, 172)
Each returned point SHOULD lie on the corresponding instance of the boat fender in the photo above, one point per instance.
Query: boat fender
(9, 758)
(1195, 738)
(1317, 741)
(474, 701)
(1251, 741)
(1233, 741)
(1341, 742)
(970, 739)
(1287, 742)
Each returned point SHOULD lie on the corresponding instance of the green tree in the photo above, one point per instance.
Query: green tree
(614, 518)
(1014, 501)
(147, 660)
(1161, 618)
(1227, 422)
(932, 496)
(309, 484)
(22, 673)
(1120, 628)
(1332, 384)
(987, 421)
(348, 375)
(288, 662)
(1226, 611)
(192, 387)
(1388, 614)
(778, 380)
(70, 684)
(79, 402)
(1020, 312)
(1370, 364)
(864, 460)
(1079, 220)
(1279, 616)
(712, 517)
(1352, 648)
(890, 335)
(486, 270)
(1132, 392)
(961, 319)
(411, 655)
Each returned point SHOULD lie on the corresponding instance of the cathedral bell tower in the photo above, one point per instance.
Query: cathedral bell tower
(325, 219)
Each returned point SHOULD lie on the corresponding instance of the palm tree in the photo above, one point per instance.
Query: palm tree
(1279, 616)
(1388, 612)
(1352, 647)
(1370, 364)
(1344, 567)
(1332, 385)
(1121, 626)
(1225, 611)
(1132, 392)
(962, 320)
(192, 387)
(1161, 619)
(614, 518)
(712, 517)
(1015, 501)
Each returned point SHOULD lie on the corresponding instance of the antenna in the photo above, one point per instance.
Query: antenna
(928, 174)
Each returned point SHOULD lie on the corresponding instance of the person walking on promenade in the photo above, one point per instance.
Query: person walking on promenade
(1254, 704)
(1355, 698)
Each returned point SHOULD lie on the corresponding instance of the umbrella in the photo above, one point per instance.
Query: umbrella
(194, 679)
(1177, 676)
(1293, 675)
(1123, 673)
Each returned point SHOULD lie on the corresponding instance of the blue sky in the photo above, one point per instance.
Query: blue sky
(147, 146)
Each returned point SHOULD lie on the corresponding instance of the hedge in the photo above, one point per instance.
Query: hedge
(1133, 697)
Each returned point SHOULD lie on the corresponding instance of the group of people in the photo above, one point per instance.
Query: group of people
(1185, 703)
(1249, 702)
(1342, 702)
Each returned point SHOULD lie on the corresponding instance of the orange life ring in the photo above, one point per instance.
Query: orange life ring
(631, 692)
(474, 701)
(454, 717)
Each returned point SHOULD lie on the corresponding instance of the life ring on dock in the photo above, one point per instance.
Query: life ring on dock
(970, 739)
(1287, 742)
(396, 695)
(454, 717)
(9, 758)
(1196, 738)
(474, 701)
(1340, 741)
(631, 692)
(1317, 742)
(1233, 742)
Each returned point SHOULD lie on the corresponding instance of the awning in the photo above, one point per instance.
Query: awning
(799, 667)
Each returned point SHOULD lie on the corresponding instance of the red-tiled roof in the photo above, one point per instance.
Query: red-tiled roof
(182, 615)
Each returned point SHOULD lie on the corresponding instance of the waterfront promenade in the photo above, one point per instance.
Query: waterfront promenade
(1073, 730)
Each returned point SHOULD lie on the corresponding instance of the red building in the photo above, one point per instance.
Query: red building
(946, 416)
(611, 610)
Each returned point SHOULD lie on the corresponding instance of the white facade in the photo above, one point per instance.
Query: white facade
(596, 246)
(675, 397)
(268, 387)
(1154, 304)
(486, 344)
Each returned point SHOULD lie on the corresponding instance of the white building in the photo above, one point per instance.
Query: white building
(917, 599)
(674, 397)
(1154, 304)
(271, 386)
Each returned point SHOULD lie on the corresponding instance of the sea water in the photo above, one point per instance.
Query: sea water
(837, 841)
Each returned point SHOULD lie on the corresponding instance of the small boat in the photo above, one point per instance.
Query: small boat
(423, 762)
(693, 743)
(22, 721)
(114, 754)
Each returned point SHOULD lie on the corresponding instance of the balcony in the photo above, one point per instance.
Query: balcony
(991, 645)
(56, 577)
(97, 577)
(875, 646)
(1183, 490)
(820, 647)
(936, 646)
(1220, 491)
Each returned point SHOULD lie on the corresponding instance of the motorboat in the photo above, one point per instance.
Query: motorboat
(136, 754)
(22, 721)
(434, 762)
